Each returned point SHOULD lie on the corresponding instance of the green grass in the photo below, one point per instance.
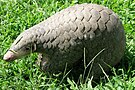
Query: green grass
(18, 15)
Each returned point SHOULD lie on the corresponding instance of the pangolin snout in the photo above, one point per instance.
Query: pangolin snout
(9, 56)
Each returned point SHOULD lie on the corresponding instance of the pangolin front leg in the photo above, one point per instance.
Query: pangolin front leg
(42, 61)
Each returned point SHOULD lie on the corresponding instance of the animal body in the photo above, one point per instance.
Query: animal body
(87, 34)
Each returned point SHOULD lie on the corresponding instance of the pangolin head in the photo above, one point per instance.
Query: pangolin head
(23, 45)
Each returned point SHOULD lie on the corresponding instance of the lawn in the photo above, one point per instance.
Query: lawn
(23, 74)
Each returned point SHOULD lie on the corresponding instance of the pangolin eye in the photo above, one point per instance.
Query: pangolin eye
(27, 48)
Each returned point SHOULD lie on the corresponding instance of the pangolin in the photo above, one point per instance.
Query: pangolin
(79, 36)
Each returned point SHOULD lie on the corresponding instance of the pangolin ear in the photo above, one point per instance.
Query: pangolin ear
(34, 47)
